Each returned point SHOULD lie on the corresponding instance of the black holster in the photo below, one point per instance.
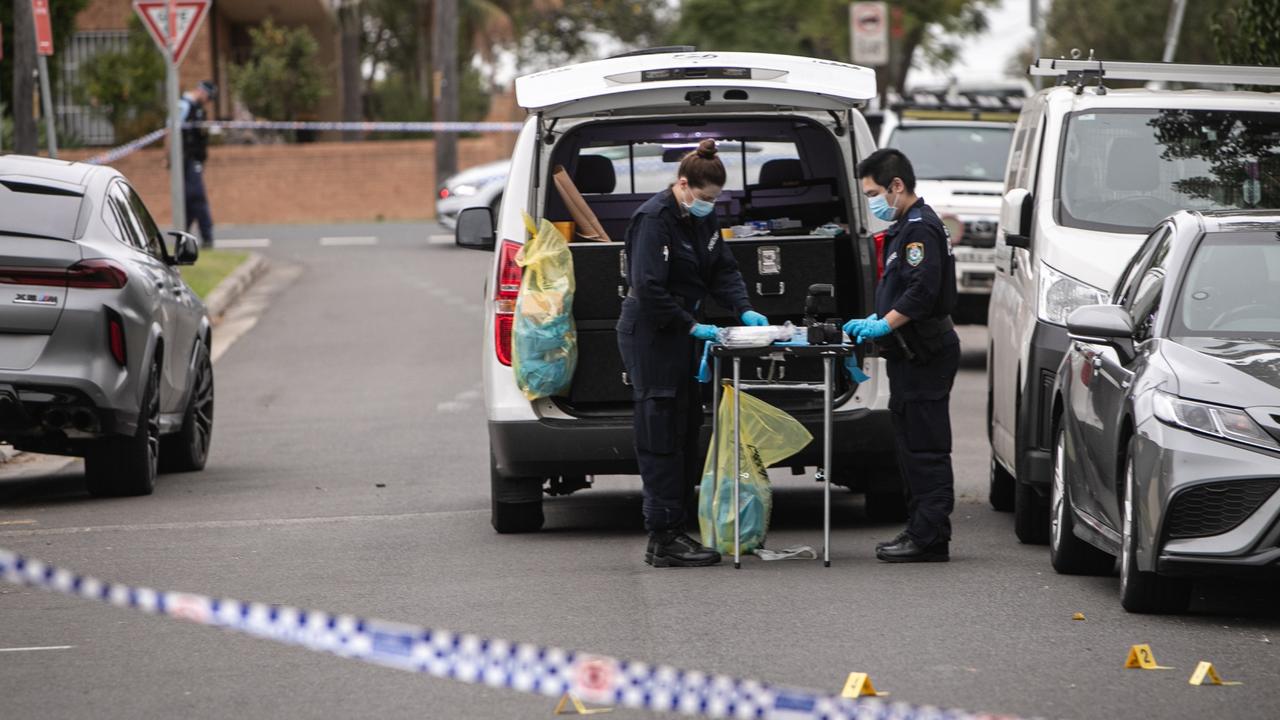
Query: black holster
(918, 342)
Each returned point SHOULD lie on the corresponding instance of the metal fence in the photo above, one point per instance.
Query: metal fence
(84, 124)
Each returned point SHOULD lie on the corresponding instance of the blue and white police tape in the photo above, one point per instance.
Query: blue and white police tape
(128, 148)
(472, 659)
(380, 126)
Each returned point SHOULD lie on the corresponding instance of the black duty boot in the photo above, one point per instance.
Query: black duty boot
(896, 539)
(673, 548)
(908, 551)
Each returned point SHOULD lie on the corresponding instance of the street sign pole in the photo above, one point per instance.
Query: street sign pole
(177, 192)
(44, 48)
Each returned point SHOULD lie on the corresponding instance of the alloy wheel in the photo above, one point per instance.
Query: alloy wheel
(203, 407)
(1058, 500)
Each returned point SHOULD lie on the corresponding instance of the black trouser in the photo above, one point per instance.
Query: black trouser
(919, 401)
(667, 419)
(197, 202)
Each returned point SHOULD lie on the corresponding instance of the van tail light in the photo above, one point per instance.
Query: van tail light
(115, 337)
(506, 288)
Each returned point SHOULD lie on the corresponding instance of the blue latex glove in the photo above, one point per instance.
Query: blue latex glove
(868, 328)
(853, 328)
(751, 318)
(855, 372)
(710, 333)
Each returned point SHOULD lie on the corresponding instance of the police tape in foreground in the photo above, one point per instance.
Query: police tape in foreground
(471, 659)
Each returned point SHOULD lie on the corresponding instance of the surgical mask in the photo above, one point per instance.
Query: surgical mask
(881, 208)
(699, 207)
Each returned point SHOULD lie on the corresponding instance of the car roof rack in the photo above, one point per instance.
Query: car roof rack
(957, 105)
(1079, 72)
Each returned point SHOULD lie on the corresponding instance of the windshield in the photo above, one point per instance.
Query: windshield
(1232, 288)
(954, 152)
(1126, 170)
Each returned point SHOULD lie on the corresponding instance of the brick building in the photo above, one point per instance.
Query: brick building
(223, 40)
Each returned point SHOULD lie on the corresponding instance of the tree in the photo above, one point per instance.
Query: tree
(924, 30)
(1130, 30)
(127, 86)
(282, 79)
(62, 16)
(1248, 34)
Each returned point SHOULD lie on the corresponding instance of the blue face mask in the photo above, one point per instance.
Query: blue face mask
(701, 208)
(881, 208)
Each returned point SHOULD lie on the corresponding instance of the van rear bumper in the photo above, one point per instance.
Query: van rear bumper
(590, 446)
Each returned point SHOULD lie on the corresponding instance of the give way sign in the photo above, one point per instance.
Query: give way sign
(187, 16)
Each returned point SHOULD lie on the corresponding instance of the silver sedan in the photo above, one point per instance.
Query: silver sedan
(104, 349)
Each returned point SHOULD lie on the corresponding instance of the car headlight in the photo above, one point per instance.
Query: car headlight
(1060, 295)
(463, 189)
(1222, 422)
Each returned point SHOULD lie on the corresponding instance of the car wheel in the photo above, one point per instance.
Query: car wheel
(188, 449)
(517, 502)
(1144, 592)
(1069, 554)
(1030, 515)
(1001, 487)
(127, 465)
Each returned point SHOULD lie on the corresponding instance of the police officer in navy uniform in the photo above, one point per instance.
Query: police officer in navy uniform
(675, 258)
(913, 330)
(195, 151)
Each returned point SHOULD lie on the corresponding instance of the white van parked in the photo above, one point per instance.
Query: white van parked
(791, 138)
(1091, 173)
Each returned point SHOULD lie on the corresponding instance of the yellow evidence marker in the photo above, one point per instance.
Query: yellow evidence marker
(859, 685)
(578, 708)
(1206, 675)
(1140, 657)
(1078, 616)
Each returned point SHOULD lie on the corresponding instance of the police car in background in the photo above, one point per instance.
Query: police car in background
(959, 143)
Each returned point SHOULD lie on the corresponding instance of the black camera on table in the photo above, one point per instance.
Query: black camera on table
(826, 331)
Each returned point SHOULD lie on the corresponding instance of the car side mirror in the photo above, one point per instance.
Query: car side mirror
(185, 249)
(1015, 218)
(1104, 325)
(475, 229)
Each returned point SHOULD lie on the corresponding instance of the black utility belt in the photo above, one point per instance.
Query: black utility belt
(919, 341)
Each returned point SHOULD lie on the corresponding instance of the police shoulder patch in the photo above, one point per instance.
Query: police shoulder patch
(915, 253)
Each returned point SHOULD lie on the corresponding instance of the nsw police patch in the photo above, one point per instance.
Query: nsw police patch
(915, 253)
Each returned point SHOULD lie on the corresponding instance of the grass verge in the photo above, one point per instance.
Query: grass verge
(211, 268)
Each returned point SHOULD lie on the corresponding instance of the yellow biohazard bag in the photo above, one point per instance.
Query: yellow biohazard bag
(769, 436)
(544, 342)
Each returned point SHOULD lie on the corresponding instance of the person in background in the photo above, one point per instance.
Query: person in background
(675, 258)
(195, 150)
(913, 330)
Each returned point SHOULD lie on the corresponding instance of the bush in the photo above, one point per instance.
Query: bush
(282, 79)
(127, 86)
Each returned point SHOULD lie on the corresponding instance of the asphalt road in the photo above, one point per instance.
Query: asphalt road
(349, 474)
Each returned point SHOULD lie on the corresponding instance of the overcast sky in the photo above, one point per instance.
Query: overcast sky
(986, 55)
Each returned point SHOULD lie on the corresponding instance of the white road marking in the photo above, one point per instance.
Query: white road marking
(441, 240)
(355, 240)
(452, 406)
(243, 243)
(17, 522)
(30, 649)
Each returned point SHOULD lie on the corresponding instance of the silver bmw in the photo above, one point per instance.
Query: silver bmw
(1167, 415)
(104, 349)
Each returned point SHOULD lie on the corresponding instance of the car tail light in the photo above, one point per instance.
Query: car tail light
(99, 274)
(115, 337)
(506, 288)
(444, 193)
(56, 277)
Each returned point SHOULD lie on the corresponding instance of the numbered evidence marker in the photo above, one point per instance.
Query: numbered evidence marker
(1206, 675)
(1140, 657)
(578, 707)
(859, 685)
(1078, 616)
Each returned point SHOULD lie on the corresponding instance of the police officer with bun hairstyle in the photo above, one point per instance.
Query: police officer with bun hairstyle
(913, 331)
(675, 258)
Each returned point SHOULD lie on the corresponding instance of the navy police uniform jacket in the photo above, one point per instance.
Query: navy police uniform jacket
(919, 277)
(674, 260)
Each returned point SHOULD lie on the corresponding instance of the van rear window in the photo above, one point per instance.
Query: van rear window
(1126, 170)
(646, 168)
(38, 210)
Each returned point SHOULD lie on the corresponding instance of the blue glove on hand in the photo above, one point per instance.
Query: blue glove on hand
(751, 318)
(710, 333)
(869, 328)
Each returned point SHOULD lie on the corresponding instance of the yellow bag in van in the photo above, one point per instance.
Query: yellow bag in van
(544, 342)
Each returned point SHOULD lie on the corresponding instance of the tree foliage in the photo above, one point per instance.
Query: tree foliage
(1129, 30)
(1249, 33)
(925, 31)
(282, 79)
(127, 86)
